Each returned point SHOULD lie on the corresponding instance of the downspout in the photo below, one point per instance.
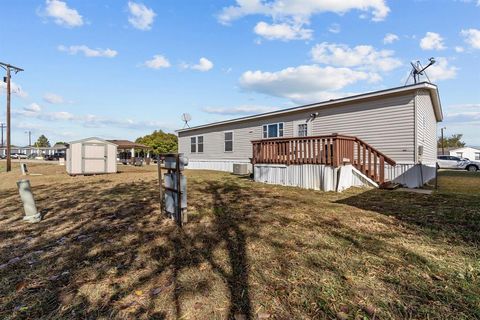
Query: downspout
(415, 130)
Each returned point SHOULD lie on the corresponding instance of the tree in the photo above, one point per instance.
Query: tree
(160, 142)
(454, 141)
(42, 142)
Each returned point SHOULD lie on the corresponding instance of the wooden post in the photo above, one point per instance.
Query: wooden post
(382, 169)
(160, 182)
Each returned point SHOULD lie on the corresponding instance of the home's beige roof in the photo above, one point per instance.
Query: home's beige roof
(331, 103)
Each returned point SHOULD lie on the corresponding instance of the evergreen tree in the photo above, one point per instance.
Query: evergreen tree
(454, 141)
(42, 142)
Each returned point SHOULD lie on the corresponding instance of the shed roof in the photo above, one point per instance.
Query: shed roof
(333, 102)
(91, 138)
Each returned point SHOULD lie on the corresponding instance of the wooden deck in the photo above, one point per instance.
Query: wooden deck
(333, 150)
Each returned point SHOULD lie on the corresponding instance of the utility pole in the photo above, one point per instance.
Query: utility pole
(8, 68)
(443, 141)
(29, 137)
(2, 126)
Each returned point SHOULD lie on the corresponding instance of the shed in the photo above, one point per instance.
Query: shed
(91, 156)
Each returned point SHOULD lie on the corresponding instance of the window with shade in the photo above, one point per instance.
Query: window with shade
(302, 130)
(228, 138)
(193, 144)
(273, 130)
(200, 144)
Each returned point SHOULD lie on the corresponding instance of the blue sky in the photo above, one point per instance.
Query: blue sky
(120, 69)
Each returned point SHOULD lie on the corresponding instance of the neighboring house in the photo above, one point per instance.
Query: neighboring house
(39, 151)
(396, 126)
(466, 152)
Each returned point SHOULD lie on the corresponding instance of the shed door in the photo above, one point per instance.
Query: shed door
(94, 158)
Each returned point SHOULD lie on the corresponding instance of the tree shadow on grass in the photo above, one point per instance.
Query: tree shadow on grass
(105, 251)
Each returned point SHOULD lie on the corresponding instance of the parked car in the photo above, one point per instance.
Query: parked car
(452, 162)
(18, 156)
(3, 156)
(55, 156)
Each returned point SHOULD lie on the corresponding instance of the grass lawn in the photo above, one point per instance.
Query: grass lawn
(249, 251)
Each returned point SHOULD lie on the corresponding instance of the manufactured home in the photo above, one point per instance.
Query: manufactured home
(366, 139)
(466, 152)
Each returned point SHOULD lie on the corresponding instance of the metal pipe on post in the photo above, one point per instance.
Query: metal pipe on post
(443, 141)
(31, 213)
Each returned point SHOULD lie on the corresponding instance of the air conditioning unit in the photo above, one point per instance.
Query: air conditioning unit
(240, 168)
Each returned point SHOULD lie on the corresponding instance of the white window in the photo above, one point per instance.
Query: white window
(196, 144)
(477, 155)
(273, 130)
(302, 130)
(228, 138)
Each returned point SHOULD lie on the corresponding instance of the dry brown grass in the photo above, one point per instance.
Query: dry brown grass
(249, 251)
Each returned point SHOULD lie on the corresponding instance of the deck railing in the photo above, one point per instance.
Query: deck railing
(333, 150)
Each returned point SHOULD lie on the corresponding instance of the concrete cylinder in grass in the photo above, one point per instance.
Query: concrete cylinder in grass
(31, 213)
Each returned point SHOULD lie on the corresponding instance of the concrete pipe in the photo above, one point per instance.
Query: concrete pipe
(31, 213)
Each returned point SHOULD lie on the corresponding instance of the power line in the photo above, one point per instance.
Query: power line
(8, 68)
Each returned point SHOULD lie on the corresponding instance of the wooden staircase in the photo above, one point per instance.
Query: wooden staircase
(334, 150)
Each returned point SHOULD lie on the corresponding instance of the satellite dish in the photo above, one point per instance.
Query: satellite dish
(185, 118)
(418, 70)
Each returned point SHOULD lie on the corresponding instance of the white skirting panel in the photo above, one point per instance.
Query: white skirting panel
(218, 165)
(310, 176)
(327, 178)
(411, 175)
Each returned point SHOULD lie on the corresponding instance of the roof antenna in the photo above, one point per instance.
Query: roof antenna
(185, 118)
(418, 70)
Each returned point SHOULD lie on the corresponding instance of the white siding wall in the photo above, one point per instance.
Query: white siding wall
(387, 124)
(426, 127)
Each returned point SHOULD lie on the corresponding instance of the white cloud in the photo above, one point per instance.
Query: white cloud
(89, 121)
(301, 10)
(334, 28)
(432, 41)
(362, 56)
(472, 37)
(53, 98)
(240, 110)
(88, 52)
(157, 62)
(141, 17)
(390, 38)
(441, 70)
(459, 49)
(34, 110)
(15, 89)
(33, 107)
(282, 31)
(463, 114)
(306, 83)
(62, 14)
(203, 65)
(60, 115)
